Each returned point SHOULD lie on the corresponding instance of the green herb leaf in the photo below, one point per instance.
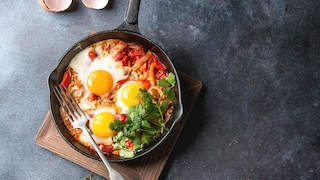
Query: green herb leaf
(170, 94)
(120, 138)
(164, 83)
(116, 125)
(146, 139)
(126, 153)
(145, 124)
(164, 106)
(171, 79)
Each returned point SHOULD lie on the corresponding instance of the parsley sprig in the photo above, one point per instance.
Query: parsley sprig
(145, 121)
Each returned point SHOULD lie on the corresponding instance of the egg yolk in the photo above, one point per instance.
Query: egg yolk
(129, 94)
(99, 82)
(100, 124)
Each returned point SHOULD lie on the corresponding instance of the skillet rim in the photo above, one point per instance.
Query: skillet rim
(57, 73)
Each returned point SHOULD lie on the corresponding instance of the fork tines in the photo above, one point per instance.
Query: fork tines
(67, 102)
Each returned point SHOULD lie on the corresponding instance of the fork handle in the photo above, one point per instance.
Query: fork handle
(114, 175)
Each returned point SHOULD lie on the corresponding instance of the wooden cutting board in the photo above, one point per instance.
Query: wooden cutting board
(147, 167)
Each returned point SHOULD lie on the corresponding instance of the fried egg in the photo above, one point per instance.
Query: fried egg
(99, 76)
(99, 125)
(127, 95)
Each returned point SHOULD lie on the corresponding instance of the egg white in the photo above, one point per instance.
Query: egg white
(98, 140)
(83, 65)
(121, 107)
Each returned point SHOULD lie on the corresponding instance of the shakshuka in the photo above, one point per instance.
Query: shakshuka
(125, 92)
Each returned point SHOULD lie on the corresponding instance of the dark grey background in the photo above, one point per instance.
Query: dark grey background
(257, 116)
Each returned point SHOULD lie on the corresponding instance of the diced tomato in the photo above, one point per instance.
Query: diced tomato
(66, 79)
(107, 148)
(125, 60)
(121, 117)
(92, 54)
(146, 84)
(93, 96)
(129, 144)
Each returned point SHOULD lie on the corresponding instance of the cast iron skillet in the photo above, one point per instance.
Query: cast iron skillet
(128, 31)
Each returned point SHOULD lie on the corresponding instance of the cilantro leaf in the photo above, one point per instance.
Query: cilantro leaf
(146, 139)
(164, 83)
(164, 106)
(116, 125)
(171, 79)
(145, 123)
(170, 94)
(126, 153)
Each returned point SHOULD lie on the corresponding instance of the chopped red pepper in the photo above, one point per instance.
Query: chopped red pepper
(158, 74)
(160, 71)
(122, 81)
(125, 61)
(66, 78)
(118, 56)
(158, 64)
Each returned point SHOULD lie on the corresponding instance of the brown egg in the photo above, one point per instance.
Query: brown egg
(55, 5)
(95, 4)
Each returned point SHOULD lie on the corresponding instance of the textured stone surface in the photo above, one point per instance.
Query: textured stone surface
(257, 116)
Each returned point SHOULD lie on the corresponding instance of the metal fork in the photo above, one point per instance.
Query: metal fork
(79, 120)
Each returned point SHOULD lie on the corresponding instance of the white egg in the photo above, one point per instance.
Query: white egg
(98, 139)
(126, 96)
(81, 63)
(85, 67)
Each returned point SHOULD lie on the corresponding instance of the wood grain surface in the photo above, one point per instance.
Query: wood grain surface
(147, 167)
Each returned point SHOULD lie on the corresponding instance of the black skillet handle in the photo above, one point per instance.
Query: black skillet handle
(131, 20)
